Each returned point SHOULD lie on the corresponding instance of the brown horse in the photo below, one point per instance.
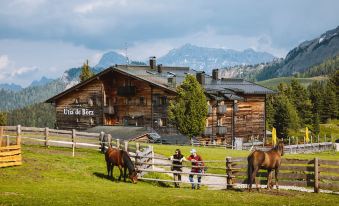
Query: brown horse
(270, 160)
(120, 158)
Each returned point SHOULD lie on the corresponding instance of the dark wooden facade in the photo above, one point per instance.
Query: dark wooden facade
(229, 119)
(113, 99)
(118, 97)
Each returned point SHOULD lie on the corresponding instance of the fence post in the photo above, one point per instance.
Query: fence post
(126, 146)
(46, 136)
(18, 135)
(152, 157)
(109, 140)
(1, 134)
(101, 139)
(316, 175)
(229, 172)
(73, 141)
(137, 146)
(118, 143)
(7, 139)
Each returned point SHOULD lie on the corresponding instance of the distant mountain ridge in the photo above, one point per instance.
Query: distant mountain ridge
(43, 81)
(304, 56)
(11, 87)
(202, 58)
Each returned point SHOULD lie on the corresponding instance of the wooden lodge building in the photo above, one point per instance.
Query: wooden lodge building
(127, 95)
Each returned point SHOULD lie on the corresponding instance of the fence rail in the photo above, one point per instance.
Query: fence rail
(316, 173)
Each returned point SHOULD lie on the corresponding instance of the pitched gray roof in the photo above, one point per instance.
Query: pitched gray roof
(228, 88)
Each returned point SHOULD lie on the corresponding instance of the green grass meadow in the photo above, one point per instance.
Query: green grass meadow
(274, 82)
(51, 176)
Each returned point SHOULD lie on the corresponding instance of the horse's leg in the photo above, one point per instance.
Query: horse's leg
(120, 168)
(276, 178)
(254, 175)
(269, 178)
(108, 164)
(112, 167)
(125, 168)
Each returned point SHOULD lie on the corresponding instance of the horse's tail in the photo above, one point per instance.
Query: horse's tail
(249, 169)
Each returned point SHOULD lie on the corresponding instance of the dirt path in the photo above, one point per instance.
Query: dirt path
(184, 178)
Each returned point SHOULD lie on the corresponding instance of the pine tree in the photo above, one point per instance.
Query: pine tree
(330, 102)
(188, 111)
(285, 116)
(270, 111)
(86, 72)
(3, 118)
(334, 79)
(303, 105)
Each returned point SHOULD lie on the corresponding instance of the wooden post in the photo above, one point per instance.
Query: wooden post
(316, 175)
(46, 136)
(73, 141)
(18, 135)
(152, 157)
(137, 146)
(109, 140)
(126, 146)
(229, 172)
(101, 139)
(118, 143)
(1, 134)
(7, 139)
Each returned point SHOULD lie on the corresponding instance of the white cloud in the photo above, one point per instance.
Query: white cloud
(96, 5)
(22, 71)
(4, 61)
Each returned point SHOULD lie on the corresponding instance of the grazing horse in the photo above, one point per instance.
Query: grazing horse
(120, 158)
(270, 160)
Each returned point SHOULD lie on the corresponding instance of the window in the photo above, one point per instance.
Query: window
(162, 122)
(91, 121)
(76, 101)
(90, 102)
(142, 101)
(163, 100)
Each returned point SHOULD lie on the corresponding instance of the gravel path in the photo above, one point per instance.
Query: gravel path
(222, 180)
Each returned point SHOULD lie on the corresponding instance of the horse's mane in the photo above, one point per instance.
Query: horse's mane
(127, 161)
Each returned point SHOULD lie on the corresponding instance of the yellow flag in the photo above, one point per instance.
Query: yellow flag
(306, 136)
(274, 136)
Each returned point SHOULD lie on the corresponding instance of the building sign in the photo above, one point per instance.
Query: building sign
(78, 112)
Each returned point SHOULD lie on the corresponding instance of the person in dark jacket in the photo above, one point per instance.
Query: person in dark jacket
(197, 167)
(177, 159)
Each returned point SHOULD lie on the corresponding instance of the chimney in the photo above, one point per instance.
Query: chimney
(215, 74)
(201, 77)
(153, 62)
(160, 68)
(171, 81)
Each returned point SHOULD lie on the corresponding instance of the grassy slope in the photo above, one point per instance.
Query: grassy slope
(273, 83)
(52, 177)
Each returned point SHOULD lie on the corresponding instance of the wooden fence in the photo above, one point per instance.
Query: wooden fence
(316, 173)
(10, 153)
(67, 138)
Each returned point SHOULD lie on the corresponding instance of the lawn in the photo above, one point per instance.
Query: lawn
(53, 177)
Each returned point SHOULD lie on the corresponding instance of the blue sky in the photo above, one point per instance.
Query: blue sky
(46, 37)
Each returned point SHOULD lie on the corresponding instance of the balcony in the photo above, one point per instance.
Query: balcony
(127, 91)
(221, 130)
(222, 109)
(208, 131)
(109, 110)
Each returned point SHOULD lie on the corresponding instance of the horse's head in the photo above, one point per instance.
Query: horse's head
(280, 148)
(133, 176)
